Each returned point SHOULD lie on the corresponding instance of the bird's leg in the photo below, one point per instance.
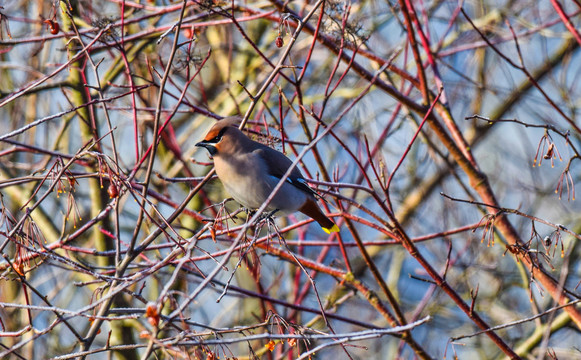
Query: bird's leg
(265, 218)
(249, 212)
(268, 215)
(269, 220)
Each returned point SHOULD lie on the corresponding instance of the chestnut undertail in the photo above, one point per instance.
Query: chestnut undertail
(311, 209)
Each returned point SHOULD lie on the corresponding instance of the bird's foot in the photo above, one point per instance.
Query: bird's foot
(271, 214)
(267, 217)
(272, 230)
(248, 211)
(263, 216)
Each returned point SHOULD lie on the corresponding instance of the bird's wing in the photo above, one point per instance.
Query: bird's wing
(277, 164)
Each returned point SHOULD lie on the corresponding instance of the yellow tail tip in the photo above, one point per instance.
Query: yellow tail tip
(333, 229)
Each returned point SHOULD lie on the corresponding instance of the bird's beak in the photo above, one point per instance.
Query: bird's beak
(209, 146)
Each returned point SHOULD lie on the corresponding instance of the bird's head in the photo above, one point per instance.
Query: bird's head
(224, 137)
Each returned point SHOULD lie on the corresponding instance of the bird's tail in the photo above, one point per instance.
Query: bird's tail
(312, 210)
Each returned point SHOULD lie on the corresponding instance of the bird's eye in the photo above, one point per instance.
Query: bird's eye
(218, 137)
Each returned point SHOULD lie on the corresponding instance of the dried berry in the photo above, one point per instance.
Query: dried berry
(279, 42)
(113, 191)
(53, 26)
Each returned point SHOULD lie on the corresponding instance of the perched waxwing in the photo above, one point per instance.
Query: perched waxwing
(250, 171)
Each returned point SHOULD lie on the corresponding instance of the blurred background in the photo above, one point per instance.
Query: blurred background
(443, 135)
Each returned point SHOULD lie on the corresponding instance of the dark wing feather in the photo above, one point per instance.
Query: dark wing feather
(277, 164)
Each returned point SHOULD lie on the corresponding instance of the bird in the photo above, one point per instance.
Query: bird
(250, 171)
